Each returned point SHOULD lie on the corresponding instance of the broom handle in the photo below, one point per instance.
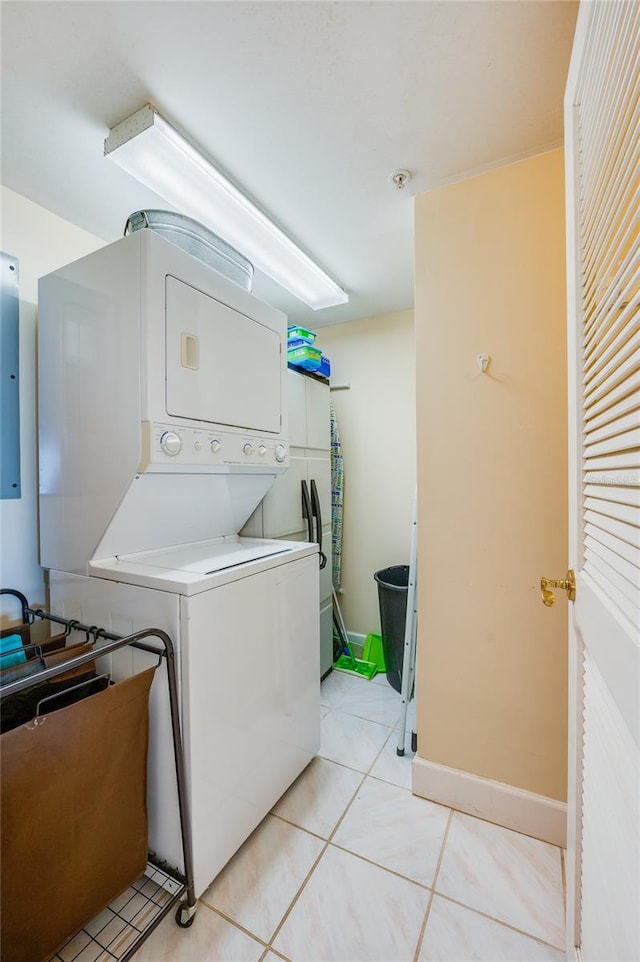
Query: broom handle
(343, 630)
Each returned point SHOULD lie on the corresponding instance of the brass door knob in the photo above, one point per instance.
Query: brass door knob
(568, 584)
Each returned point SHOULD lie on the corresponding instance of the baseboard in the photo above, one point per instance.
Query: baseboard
(514, 808)
(357, 643)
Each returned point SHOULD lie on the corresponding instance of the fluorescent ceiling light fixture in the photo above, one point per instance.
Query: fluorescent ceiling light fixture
(149, 149)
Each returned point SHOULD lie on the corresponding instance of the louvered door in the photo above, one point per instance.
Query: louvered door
(602, 136)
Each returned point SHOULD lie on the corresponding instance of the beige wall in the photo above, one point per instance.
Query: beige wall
(376, 418)
(490, 277)
(42, 242)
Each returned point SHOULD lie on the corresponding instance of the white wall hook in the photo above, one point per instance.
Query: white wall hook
(483, 362)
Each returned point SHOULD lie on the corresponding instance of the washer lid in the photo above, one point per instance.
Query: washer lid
(208, 557)
(192, 568)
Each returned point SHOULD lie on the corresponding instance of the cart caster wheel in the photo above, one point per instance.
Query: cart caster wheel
(184, 918)
(400, 751)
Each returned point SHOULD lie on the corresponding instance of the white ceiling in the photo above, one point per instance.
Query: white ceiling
(307, 106)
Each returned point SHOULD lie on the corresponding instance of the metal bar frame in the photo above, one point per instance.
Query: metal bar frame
(410, 631)
(114, 643)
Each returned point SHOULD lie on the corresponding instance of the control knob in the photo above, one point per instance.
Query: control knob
(281, 453)
(247, 448)
(262, 450)
(171, 443)
(215, 446)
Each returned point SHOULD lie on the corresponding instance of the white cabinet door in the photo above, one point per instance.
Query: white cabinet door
(308, 407)
(282, 506)
(297, 409)
(319, 470)
(282, 515)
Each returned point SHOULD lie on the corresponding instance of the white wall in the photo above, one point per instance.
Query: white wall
(376, 417)
(42, 242)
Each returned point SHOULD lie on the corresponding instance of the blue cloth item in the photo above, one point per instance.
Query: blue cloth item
(12, 644)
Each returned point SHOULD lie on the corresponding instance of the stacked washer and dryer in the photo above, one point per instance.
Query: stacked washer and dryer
(163, 424)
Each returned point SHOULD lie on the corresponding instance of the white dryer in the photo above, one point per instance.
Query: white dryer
(162, 425)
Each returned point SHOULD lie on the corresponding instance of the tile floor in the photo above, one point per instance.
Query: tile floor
(351, 867)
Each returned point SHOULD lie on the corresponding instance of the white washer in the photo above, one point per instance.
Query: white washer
(162, 392)
(248, 688)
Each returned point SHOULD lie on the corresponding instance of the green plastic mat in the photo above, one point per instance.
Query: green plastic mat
(373, 651)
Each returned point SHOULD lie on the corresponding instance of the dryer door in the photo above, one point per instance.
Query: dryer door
(222, 366)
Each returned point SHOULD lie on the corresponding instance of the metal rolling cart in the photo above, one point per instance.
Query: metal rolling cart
(131, 916)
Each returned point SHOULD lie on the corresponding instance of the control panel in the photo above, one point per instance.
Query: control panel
(170, 444)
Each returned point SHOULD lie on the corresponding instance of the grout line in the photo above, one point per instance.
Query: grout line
(343, 706)
(416, 954)
(300, 828)
(315, 864)
(385, 868)
(332, 761)
(371, 721)
(363, 858)
(382, 748)
(275, 952)
(294, 900)
(492, 918)
(344, 814)
(329, 840)
(296, 897)
(288, 821)
(233, 922)
(268, 946)
(506, 925)
(363, 776)
(346, 809)
(377, 756)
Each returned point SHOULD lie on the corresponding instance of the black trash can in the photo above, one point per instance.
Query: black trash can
(393, 587)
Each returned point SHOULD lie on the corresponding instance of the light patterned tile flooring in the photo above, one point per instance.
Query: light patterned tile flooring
(351, 867)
